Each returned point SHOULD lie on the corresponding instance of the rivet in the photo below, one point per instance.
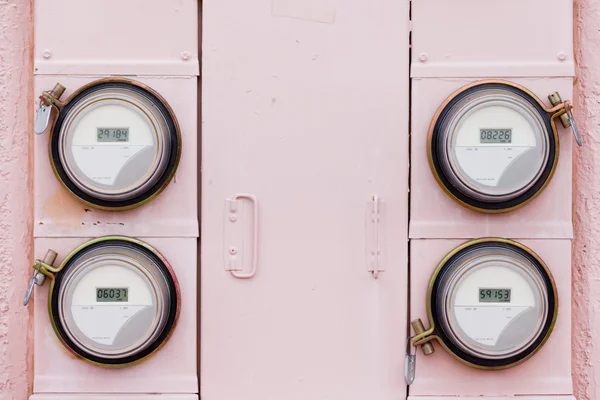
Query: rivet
(233, 218)
(185, 56)
(232, 250)
(561, 56)
(47, 54)
(423, 57)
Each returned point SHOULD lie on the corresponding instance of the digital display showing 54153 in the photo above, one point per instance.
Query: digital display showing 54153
(489, 295)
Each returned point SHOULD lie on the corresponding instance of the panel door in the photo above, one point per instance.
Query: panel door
(305, 107)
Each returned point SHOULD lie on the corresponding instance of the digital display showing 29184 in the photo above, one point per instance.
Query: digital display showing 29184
(112, 134)
(495, 135)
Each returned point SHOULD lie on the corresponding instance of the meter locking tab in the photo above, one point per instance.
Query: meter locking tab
(410, 363)
(566, 119)
(420, 334)
(48, 99)
(38, 277)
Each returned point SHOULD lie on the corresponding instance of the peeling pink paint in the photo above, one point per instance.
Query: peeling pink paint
(586, 246)
(16, 103)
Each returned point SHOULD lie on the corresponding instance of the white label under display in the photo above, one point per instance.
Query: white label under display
(485, 165)
(102, 164)
(102, 322)
(485, 323)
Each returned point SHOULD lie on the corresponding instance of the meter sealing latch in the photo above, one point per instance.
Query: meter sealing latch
(410, 363)
(48, 99)
(41, 269)
(421, 338)
(566, 118)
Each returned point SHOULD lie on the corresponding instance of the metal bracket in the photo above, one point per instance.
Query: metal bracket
(233, 235)
(41, 268)
(565, 115)
(410, 362)
(375, 236)
(48, 100)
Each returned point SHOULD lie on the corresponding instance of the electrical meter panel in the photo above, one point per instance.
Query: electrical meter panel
(115, 37)
(511, 38)
(117, 315)
(493, 312)
(107, 145)
(491, 157)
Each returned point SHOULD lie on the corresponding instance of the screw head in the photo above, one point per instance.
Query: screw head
(561, 56)
(47, 54)
(232, 250)
(233, 218)
(423, 57)
(185, 56)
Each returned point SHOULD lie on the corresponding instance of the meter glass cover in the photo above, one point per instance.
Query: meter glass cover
(115, 302)
(115, 144)
(493, 303)
(492, 146)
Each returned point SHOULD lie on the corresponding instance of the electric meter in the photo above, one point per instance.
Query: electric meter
(492, 303)
(493, 145)
(115, 143)
(113, 301)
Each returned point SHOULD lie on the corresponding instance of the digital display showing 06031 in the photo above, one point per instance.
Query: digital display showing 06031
(112, 294)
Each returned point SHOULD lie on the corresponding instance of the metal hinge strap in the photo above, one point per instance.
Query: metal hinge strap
(375, 236)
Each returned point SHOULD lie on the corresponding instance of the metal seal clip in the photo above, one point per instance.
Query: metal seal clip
(566, 118)
(38, 278)
(48, 99)
(410, 362)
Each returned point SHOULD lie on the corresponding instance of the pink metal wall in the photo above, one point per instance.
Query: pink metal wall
(16, 217)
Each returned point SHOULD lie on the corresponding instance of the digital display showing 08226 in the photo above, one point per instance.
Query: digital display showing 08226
(495, 135)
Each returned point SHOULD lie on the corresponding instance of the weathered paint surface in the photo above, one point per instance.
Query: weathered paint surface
(15, 197)
(586, 246)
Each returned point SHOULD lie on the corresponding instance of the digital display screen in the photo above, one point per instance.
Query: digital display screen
(494, 295)
(495, 135)
(112, 134)
(112, 294)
